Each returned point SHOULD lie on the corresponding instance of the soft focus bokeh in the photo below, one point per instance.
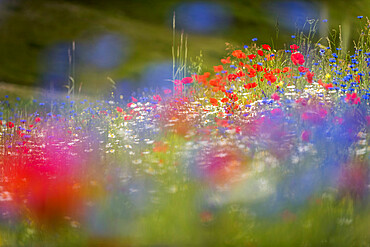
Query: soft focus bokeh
(44, 43)
(247, 125)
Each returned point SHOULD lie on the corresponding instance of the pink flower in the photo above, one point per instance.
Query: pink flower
(276, 112)
(275, 97)
(157, 97)
(315, 116)
(368, 120)
(167, 91)
(353, 99)
(177, 82)
(187, 80)
(306, 135)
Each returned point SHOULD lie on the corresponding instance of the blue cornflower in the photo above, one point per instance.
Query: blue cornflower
(360, 17)
(325, 20)
(293, 36)
(254, 39)
(246, 47)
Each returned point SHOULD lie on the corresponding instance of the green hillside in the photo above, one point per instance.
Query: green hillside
(29, 28)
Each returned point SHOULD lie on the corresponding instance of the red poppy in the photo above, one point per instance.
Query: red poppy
(252, 73)
(266, 47)
(252, 56)
(218, 68)
(286, 69)
(276, 71)
(258, 67)
(10, 125)
(239, 54)
(303, 69)
(297, 58)
(187, 80)
(309, 76)
(213, 101)
(260, 52)
(250, 85)
(225, 61)
(326, 86)
(119, 109)
(294, 47)
(270, 77)
(232, 77)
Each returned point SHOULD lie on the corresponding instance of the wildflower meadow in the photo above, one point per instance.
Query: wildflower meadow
(270, 148)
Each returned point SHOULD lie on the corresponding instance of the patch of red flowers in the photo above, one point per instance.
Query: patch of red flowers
(10, 125)
(239, 54)
(297, 58)
(353, 99)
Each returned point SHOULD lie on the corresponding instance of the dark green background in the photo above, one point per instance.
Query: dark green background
(29, 28)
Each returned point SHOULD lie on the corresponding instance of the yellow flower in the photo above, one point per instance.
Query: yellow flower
(327, 76)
